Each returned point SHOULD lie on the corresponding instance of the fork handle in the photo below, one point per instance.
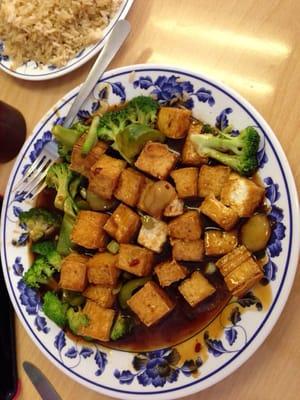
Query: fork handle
(116, 38)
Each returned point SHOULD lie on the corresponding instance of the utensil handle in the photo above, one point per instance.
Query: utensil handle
(118, 35)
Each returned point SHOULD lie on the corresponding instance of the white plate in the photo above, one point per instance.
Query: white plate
(32, 72)
(247, 323)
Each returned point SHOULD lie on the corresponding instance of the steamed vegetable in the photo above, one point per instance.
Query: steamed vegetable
(48, 250)
(238, 152)
(40, 273)
(256, 232)
(122, 327)
(40, 223)
(76, 320)
(55, 309)
(66, 138)
(59, 177)
(75, 299)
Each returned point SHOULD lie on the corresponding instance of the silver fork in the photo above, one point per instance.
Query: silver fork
(33, 181)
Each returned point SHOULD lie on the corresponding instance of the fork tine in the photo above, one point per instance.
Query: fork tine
(29, 171)
(39, 179)
(39, 189)
(34, 175)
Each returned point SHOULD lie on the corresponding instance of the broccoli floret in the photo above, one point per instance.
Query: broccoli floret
(48, 250)
(238, 152)
(122, 327)
(59, 177)
(40, 223)
(76, 319)
(64, 244)
(39, 273)
(66, 138)
(143, 110)
(55, 309)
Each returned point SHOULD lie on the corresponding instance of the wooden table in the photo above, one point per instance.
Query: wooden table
(255, 49)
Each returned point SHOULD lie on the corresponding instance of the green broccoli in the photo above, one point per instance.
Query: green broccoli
(64, 244)
(238, 152)
(76, 319)
(40, 223)
(48, 250)
(39, 273)
(59, 177)
(122, 327)
(66, 138)
(143, 110)
(55, 309)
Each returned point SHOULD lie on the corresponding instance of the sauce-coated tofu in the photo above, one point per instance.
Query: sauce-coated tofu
(224, 216)
(104, 176)
(73, 272)
(150, 303)
(102, 269)
(212, 179)
(142, 205)
(135, 259)
(219, 242)
(175, 208)
(186, 181)
(153, 234)
(169, 272)
(123, 224)
(156, 159)
(187, 226)
(196, 288)
(242, 195)
(88, 230)
(232, 260)
(100, 321)
(174, 122)
(130, 186)
(82, 164)
(187, 250)
(102, 295)
(189, 154)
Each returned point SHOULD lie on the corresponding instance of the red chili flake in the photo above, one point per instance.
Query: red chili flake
(134, 262)
(197, 347)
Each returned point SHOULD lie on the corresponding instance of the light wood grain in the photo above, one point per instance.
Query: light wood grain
(253, 47)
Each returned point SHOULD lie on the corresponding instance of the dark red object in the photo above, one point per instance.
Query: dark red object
(197, 347)
(12, 132)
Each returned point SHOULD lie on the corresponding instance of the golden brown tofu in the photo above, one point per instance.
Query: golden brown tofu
(142, 205)
(187, 250)
(73, 272)
(242, 195)
(175, 208)
(244, 277)
(135, 259)
(174, 122)
(123, 224)
(189, 154)
(104, 176)
(169, 272)
(156, 159)
(150, 304)
(186, 182)
(130, 186)
(82, 164)
(153, 234)
(102, 269)
(101, 295)
(224, 216)
(100, 321)
(219, 242)
(232, 260)
(88, 230)
(212, 179)
(196, 288)
(187, 226)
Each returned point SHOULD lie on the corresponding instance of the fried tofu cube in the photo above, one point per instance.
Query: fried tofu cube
(187, 226)
(153, 234)
(186, 181)
(187, 250)
(100, 321)
(73, 272)
(196, 288)
(82, 164)
(169, 272)
(135, 259)
(224, 216)
(175, 208)
(232, 260)
(88, 230)
(244, 277)
(217, 242)
(130, 185)
(212, 179)
(156, 159)
(102, 269)
(104, 176)
(123, 224)
(174, 122)
(150, 303)
(189, 154)
(101, 295)
(242, 195)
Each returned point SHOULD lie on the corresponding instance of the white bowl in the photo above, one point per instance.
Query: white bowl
(247, 322)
